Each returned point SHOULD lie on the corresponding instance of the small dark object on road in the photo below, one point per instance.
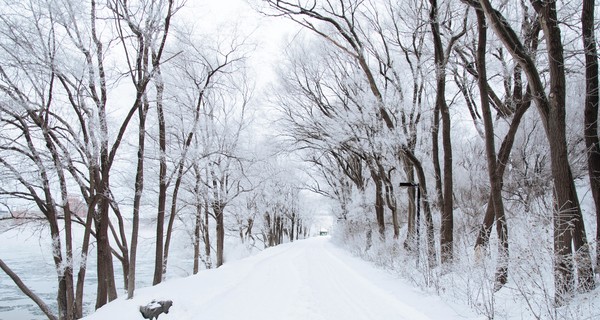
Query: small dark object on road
(153, 309)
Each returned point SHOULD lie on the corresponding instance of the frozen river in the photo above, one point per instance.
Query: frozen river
(27, 251)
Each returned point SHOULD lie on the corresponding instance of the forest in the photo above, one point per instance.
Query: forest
(447, 138)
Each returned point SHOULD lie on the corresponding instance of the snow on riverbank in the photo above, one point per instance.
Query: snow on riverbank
(308, 279)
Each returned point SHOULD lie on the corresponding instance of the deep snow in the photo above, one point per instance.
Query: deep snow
(308, 279)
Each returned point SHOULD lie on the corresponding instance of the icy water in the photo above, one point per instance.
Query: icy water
(26, 250)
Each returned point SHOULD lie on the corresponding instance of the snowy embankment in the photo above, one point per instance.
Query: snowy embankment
(308, 279)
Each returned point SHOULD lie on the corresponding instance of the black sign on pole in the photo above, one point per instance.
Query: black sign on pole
(415, 185)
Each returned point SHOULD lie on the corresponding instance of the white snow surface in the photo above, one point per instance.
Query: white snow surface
(308, 279)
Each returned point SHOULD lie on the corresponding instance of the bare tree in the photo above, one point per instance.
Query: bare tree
(592, 140)
(569, 231)
(206, 71)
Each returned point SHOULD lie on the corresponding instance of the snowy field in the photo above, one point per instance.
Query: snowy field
(308, 279)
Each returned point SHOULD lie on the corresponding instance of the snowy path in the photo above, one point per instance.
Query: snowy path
(309, 280)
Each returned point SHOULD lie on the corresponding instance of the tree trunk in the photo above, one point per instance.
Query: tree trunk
(84, 254)
(162, 188)
(435, 153)
(503, 157)
(447, 225)
(568, 218)
(379, 206)
(492, 161)
(218, 209)
(270, 235)
(197, 224)
(411, 236)
(106, 280)
(552, 111)
(206, 232)
(172, 216)
(137, 196)
(592, 141)
(430, 232)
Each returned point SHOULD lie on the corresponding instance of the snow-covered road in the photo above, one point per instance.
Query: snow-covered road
(309, 280)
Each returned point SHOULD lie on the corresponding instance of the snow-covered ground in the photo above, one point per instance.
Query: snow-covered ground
(308, 279)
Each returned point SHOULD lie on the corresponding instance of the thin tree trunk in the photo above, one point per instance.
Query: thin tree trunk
(447, 225)
(206, 231)
(218, 208)
(172, 216)
(492, 161)
(84, 255)
(137, 197)
(430, 232)
(197, 223)
(38, 301)
(162, 188)
(435, 153)
(411, 237)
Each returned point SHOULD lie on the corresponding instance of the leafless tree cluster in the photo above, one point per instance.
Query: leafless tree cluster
(92, 90)
(369, 98)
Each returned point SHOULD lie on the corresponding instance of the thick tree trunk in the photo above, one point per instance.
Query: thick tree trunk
(552, 111)
(568, 218)
(435, 154)
(592, 141)
(379, 206)
(106, 279)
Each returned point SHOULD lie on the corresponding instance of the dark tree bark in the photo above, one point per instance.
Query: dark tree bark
(492, 161)
(206, 233)
(552, 110)
(592, 140)
(137, 197)
(430, 238)
(379, 199)
(162, 188)
(218, 208)
(441, 59)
